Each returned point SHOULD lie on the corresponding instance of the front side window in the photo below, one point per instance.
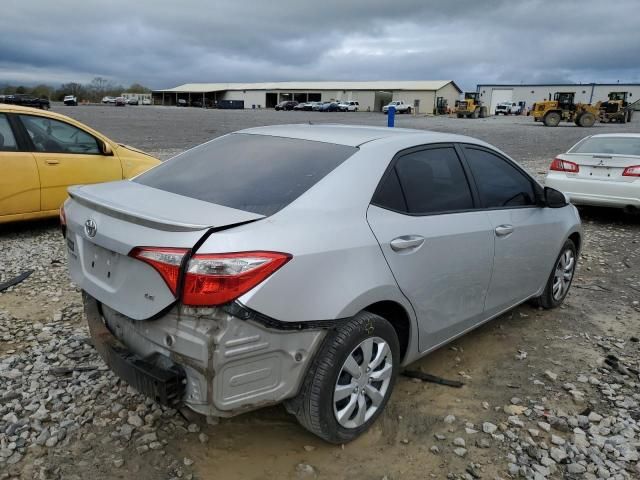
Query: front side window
(426, 182)
(7, 139)
(53, 136)
(499, 183)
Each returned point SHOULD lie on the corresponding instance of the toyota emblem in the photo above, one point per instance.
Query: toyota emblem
(90, 228)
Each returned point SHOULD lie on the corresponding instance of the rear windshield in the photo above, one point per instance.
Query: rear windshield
(613, 145)
(254, 173)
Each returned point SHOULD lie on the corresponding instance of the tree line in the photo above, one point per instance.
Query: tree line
(94, 91)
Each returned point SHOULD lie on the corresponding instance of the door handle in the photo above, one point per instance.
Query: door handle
(52, 161)
(502, 230)
(406, 242)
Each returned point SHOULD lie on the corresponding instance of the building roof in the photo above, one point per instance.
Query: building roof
(377, 85)
(557, 85)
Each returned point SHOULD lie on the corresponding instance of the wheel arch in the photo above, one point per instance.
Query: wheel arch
(576, 238)
(400, 320)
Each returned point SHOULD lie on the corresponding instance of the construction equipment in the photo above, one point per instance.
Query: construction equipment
(471, 107)
(616, 109)
(563, 108)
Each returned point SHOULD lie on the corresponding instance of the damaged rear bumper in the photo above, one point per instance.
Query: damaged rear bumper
(210, 360)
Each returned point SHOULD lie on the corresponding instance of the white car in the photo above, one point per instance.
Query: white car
(601, 170)
(349, 106)
(70, 100)
(146, 101)
(108, 99)
(399, 105)
(508, 108)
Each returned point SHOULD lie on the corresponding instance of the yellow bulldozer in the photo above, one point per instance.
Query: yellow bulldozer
(471, 107)
(564, 108)
(616, 109)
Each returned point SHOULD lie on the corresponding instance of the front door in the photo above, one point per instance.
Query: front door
(523, 232)
(19, 182)
(66, 155)
(439, 248)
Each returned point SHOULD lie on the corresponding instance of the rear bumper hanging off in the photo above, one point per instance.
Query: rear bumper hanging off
(210, 360)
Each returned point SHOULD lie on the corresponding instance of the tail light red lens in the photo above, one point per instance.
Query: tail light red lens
(633, 171)
(166, 261)
(215, 279)
(560, 165)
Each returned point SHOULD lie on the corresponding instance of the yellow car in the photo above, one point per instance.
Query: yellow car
(42, 153)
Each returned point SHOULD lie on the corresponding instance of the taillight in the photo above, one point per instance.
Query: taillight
(215, 279)
(633, 171)
(560, 165)
(166, 261)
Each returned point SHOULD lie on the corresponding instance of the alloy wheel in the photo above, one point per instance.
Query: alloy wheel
(363, 382)
(563, 274)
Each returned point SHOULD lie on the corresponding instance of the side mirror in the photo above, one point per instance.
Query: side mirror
(554, 198)
(106, 149)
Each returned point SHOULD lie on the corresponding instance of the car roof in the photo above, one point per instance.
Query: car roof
(356, 135)
(613, 135)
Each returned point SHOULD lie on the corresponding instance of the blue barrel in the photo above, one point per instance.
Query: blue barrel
(391, 116)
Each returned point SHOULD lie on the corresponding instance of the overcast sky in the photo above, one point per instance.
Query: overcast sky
(166, 43)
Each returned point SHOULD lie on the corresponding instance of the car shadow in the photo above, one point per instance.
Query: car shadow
(29, 226)
(608, 216)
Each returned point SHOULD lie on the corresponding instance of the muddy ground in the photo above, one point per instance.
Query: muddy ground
(502, 363)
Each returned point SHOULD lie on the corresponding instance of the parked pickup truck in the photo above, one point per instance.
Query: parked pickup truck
(400, 106)
(508, 108)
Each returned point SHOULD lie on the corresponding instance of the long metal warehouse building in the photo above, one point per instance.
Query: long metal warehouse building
(422, 95)
(492, 95)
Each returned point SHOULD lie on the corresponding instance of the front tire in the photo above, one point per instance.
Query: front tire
(351, 379)
(559, 281)
(552, 119)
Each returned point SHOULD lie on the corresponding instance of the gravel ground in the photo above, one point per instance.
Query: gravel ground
(548, 394)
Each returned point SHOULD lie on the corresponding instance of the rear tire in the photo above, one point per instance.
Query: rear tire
(459, 115)
(587, 119)
(551, 119)
(560, 279)
(346, 349)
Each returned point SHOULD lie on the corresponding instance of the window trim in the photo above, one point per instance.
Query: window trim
(419, 148)
(538, 191)
(32, 148)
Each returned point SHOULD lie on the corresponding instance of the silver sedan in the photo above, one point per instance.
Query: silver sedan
(309, 264)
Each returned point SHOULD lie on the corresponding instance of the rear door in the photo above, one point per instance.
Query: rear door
(66, 155)
(525, 234)
(439, 247)
(19, 182)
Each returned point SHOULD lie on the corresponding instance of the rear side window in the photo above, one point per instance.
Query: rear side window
(611, 145)
(499, 183)
(426, 182)
(254, 173)
(7, 140)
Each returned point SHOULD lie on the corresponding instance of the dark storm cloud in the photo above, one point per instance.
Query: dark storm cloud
(163, 44)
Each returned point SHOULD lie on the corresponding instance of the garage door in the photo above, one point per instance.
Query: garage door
(499, 96)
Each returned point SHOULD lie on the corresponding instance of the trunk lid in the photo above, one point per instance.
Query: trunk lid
(106, 221)
(602, 166)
